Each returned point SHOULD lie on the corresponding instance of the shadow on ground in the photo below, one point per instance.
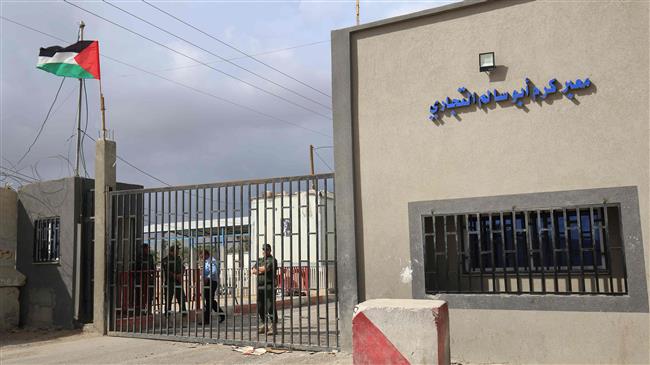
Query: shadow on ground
(29, 336)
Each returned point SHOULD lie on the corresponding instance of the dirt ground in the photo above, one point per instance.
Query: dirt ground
(78, 347)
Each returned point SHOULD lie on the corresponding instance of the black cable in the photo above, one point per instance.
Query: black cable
(16, 178)
(18, 173)
(172, 81)
(130, 164)
(235, 48)
(218, 56)
(42, 124)
(217, 97)
(181, 84)
(320, 158)
(193, 64)
(197, 60)
(33, 29)
(83, 158)
(144, 172)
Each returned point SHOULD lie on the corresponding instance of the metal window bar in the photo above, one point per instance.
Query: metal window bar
(540, 233)
(47, 240)
(503, 254)
(555, 251)
(580, 250)
(606, 244)
(491, 246)
(567, 251)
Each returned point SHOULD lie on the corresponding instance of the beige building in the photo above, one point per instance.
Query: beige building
(298, 226)
(521, 194)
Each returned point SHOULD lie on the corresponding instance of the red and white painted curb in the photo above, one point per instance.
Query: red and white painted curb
(401, 331)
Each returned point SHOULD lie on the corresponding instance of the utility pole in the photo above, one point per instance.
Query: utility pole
(311, 158)
(76, 164)
(357, 12)
(311, 162)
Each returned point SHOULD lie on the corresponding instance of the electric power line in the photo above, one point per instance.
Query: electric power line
(218, 56)
(18, 173)
(81, 151)
(326, 164)
(84, 131)
(195, 59)
(253, 110)
(216, 97)
(16, 178)
(42, 124)
(235, 48)
(244, 57)
(141, 170)
(169, 80)
(130, 164)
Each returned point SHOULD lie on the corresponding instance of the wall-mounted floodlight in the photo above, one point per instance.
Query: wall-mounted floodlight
(486, 62)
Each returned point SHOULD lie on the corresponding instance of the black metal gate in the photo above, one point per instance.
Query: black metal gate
(185, 263)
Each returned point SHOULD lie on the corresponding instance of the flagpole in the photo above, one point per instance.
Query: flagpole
(76, 168)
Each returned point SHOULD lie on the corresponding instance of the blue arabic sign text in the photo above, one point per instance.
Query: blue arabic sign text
(516, 96)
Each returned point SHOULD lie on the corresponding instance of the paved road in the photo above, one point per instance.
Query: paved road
(70, 347)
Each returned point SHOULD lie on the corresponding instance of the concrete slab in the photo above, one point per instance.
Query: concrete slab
(401, 331)
(67, 347)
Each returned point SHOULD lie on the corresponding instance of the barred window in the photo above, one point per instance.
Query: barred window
(47, 240)
(575, 250)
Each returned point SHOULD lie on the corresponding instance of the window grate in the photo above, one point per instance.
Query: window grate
(570, 250)
(47, 240)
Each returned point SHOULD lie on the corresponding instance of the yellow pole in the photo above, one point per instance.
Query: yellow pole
(103, 109)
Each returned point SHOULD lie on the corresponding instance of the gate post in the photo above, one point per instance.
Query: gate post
(105, 155)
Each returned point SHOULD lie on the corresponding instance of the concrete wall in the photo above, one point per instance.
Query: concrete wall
(48, 295)
(8, 213)
(10, 279)
(398, 68)
(58, 294)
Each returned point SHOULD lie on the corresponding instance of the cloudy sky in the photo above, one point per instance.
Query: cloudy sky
(180, 126)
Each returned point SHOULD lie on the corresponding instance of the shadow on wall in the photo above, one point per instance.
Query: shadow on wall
(46, 299)
(498, 74)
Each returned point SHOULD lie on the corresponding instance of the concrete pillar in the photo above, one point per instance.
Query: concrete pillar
(105, 155)
(10, 279)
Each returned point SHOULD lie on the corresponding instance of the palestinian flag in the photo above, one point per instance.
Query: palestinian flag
(80, 60)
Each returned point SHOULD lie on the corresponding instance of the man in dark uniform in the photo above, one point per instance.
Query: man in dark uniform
(265, 271)
(172, 267)
(148, 274)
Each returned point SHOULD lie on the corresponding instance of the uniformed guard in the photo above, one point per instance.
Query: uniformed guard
(266, 283)
(172, 266)
(148, 270)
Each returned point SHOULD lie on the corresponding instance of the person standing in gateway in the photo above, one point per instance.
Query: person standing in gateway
(172, 266)
(211, 271)
(265, 271)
